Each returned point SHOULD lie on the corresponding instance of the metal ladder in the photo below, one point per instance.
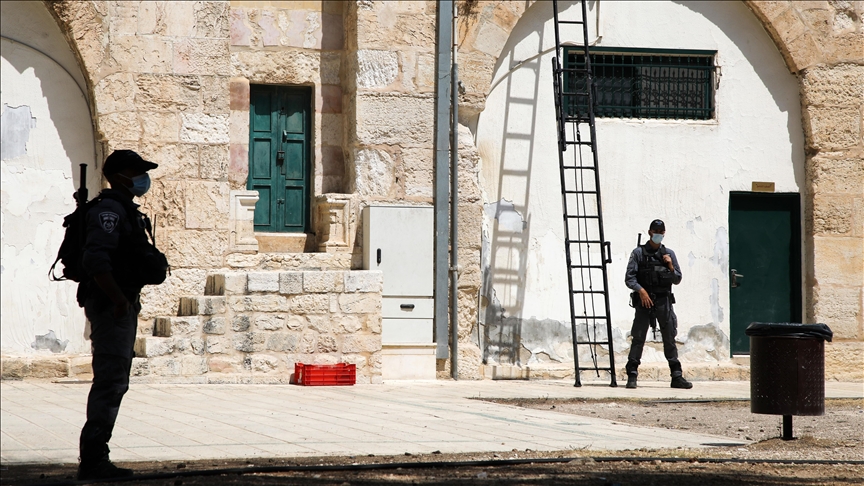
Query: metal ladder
(588, 253)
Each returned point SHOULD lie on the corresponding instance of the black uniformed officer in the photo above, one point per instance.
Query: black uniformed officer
(651, 272)
(110, 298)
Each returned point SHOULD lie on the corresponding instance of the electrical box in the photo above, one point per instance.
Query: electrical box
(399, 241)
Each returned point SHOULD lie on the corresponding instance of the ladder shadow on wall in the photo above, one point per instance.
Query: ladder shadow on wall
(504, 278)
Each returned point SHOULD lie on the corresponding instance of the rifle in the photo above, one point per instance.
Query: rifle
(652, 317)
(81, 195)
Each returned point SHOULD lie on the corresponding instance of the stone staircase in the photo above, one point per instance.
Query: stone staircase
(252, 327)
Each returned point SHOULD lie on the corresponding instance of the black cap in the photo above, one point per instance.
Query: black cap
(120, 160)
(657, 225)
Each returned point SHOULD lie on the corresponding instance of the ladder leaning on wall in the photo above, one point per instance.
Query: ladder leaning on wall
(587, 251)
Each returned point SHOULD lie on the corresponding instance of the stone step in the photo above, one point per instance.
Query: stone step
(150, 346)
(201, 306)
(293, 282)
(226, 283)
(176, 326)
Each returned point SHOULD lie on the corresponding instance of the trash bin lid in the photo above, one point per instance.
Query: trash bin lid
(789, 329)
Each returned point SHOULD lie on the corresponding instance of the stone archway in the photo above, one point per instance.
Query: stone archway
(821, 43)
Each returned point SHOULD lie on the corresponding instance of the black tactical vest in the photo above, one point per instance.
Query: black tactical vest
(653, 275)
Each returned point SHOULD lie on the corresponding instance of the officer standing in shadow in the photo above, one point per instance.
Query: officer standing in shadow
(116, 255)
(651, 272)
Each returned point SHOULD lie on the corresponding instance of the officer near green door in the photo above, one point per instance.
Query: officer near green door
(651, 272)
(118, 260)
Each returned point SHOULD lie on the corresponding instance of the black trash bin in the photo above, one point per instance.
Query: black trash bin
(787, 370)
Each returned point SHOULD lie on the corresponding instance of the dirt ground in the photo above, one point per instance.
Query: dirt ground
(836, 436)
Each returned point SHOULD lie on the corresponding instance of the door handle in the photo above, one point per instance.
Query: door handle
(408, 307)
(280, 156)
(734, 276)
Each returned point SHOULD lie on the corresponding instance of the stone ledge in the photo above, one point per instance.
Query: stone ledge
(21, 367)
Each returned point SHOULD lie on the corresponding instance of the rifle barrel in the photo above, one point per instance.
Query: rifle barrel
(81, 196)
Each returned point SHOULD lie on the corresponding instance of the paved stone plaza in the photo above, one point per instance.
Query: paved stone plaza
(41, 420)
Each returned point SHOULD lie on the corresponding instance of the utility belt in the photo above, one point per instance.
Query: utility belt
(636, 301)
(89, 289)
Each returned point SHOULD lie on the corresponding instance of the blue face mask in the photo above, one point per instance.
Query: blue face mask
(657, 238)
(140, 184)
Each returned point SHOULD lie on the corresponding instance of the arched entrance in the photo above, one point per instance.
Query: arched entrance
(47, 133)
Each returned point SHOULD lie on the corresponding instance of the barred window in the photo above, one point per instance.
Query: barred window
(643, 83)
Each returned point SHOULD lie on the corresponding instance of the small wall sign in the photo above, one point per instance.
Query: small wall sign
(762, 186)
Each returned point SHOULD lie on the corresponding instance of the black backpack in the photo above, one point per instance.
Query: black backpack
(72, 247)
(151, 265)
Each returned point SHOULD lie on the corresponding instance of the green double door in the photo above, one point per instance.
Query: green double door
(279, 159)
(764, 262)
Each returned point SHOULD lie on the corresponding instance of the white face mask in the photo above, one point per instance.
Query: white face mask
(657, 238)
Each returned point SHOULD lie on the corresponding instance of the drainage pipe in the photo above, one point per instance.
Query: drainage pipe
(442, 175)
(454, 205)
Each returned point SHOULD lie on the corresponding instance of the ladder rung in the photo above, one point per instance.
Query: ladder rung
(573, 142)
(589, 291)
(579, 22)
(586, 266)
(594, 342)
(581, 241)
(577, 216)
(581, 167)
(580, 192)
(598, 318)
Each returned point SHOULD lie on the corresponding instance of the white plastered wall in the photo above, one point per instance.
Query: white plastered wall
(47, 132)
(680, 171)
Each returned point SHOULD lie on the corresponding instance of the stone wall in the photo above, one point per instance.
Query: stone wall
(252, 327)
(823, 42)
(170, 79)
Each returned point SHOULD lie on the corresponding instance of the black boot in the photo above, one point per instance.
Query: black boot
(680, 382)
(631, 381)
(101, 469)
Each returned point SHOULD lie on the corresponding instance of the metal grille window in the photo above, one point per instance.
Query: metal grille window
(643, 83)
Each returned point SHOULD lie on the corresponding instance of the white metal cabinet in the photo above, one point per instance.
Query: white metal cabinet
(398, 241)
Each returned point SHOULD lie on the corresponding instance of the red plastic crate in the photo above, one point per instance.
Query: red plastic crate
(339, 374)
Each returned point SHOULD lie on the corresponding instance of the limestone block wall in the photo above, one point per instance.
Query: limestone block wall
(389, 84)
(823, 42)
(159, 75)
(170, 79)
(290, 43)
(252, 327)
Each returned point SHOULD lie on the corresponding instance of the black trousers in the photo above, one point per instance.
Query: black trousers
(113, 340)
(668, 323)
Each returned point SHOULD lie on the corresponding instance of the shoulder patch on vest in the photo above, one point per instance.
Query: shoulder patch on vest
(108, 221)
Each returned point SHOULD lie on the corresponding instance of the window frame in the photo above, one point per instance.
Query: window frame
(652, 67)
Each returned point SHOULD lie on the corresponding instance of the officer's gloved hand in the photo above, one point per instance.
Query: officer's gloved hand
(646, 299)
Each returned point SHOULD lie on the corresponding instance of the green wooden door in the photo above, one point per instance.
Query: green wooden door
(765, 250)
(279, 162)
